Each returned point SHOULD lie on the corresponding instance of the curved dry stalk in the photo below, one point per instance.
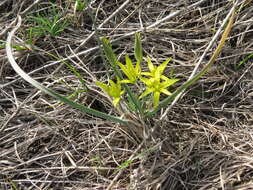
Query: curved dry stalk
(47, 90)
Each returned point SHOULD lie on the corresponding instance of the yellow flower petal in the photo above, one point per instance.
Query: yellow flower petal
(165, 91)
(150, 64)
(146, 92)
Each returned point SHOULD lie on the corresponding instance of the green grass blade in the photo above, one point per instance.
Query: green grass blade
(169, 99)
(138, 48)
(244, 60)
(49, 91)
(111, 56)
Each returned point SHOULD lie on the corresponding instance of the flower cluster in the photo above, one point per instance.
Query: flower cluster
(155, 83)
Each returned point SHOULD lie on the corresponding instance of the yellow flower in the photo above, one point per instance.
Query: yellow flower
(113, 90)
(132, 73)
(154, 84)
(157, 87)
(156, 70)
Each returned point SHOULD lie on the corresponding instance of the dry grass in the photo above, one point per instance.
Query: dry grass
(204, 142)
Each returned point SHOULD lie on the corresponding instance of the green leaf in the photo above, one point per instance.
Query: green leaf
(244, 60)
(71, 68)
(52, 93)
(138, 48)
(110, 54)
(125, 164)
(48, 23)
(131, 105)
(79, 5)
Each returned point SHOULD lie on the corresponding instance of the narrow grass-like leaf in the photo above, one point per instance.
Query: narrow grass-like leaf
(244, 60)
(169, 99)
(16, 47)
(125, 164)
(49, 91)
(131, 105)
(138, 48)
(110, 56)
(46, 25)
(79, 5)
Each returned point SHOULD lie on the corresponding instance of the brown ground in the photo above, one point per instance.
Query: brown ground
(205, 141)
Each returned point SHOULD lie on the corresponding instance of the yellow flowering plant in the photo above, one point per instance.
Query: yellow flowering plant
(155, 83)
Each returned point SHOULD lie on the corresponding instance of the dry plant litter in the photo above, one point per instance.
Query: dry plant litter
(203, 140)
